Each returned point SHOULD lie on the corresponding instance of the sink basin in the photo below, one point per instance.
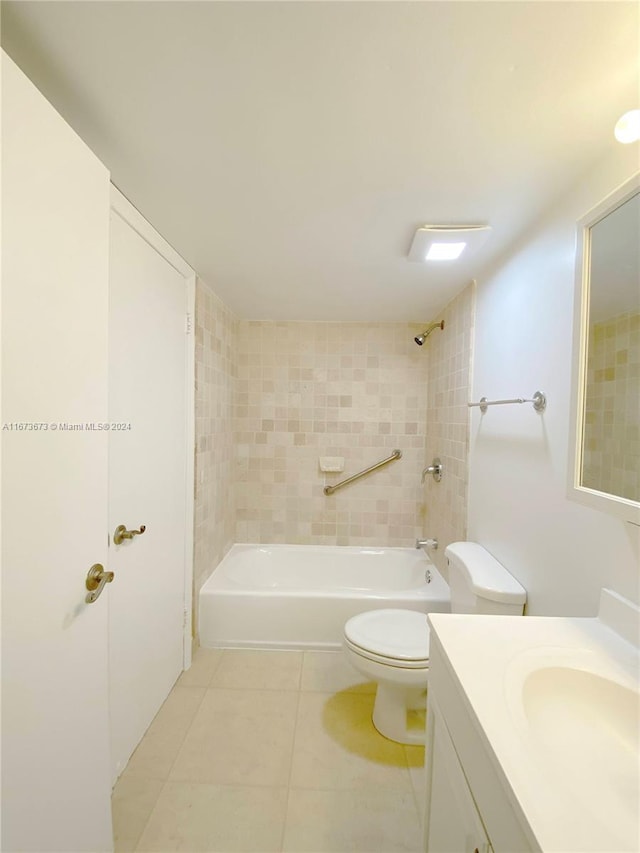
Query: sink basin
(564, 705)
(557, 701)
(588, 728)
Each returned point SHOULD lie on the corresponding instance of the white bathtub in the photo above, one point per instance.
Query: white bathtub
(300, 596)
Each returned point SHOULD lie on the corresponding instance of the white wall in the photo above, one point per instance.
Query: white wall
(562, 552)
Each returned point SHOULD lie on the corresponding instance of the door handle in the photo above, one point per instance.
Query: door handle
(121, 533)
(96, 581)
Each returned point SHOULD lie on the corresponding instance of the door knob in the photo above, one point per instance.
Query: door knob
(96, 581)
(121, 533)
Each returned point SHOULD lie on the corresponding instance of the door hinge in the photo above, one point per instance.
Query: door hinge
(185, 618)
(189, 323)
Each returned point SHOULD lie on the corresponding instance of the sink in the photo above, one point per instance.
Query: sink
(564, 706)
(587, 727)
(557, 703)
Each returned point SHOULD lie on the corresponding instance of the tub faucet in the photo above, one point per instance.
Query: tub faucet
(427, 544)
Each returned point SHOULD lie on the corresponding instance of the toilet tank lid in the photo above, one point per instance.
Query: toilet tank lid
(486, 576)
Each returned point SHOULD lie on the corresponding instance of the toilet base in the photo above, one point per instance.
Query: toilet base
(390, 712)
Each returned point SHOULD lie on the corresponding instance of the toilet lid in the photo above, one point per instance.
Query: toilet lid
(399, 634)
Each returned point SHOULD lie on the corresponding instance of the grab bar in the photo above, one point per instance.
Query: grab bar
(539, 402)
(329, 490)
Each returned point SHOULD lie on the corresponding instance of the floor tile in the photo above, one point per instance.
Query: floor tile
(158, 749)
(337, 746)
(331, 671)
(354, 821)
(417, 774)
(243, 763)
(203, 665)
(194, 818)
(131, 805)
(258, 670)
(240, 737)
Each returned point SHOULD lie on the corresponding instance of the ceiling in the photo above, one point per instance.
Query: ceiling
(289, 150)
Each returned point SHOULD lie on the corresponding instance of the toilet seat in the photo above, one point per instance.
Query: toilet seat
(398, 638)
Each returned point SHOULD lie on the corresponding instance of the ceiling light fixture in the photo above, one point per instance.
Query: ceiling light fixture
(628, 127)
(445, 251)
(446, 243)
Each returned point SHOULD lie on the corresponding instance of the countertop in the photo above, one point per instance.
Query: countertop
(557, 779)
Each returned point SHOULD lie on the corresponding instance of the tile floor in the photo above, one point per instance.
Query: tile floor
(269, 751)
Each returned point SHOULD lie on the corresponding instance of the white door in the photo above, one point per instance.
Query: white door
(55, 240)
(148, 472)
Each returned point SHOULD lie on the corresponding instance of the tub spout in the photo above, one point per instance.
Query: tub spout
(427, 544)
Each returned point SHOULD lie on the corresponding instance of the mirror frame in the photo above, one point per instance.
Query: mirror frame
(623, 508)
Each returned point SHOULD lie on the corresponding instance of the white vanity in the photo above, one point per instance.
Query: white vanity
(532, 733)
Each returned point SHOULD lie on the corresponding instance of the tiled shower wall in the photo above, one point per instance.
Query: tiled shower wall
(305, 390)
(271, 398)
(447, 434)
(216, 368)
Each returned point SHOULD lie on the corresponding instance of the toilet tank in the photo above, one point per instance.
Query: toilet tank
(480, 584)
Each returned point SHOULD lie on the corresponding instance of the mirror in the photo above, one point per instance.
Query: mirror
(606, 398)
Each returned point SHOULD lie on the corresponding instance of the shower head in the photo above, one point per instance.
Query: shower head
(423, 337)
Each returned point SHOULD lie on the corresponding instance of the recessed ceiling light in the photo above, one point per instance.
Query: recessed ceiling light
(446, 243)
(628, 127)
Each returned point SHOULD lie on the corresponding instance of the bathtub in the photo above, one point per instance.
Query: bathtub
(300, 596)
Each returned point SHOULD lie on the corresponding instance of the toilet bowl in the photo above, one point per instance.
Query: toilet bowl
(392, 648)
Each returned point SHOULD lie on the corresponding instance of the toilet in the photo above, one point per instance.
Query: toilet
(391, 646)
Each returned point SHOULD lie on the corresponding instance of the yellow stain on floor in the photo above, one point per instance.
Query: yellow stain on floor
(347, 719)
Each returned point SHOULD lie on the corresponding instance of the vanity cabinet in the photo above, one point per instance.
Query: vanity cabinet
(469, 808)
(452, 819)
(531, 743)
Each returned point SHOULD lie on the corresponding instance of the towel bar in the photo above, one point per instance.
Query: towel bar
(539, 402)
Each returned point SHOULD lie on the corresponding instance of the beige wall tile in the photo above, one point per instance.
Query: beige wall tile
(305, 390)
(272, 397)
(447, 428)
(216, 369)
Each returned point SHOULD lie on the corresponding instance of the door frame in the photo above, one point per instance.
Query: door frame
(123, 208)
